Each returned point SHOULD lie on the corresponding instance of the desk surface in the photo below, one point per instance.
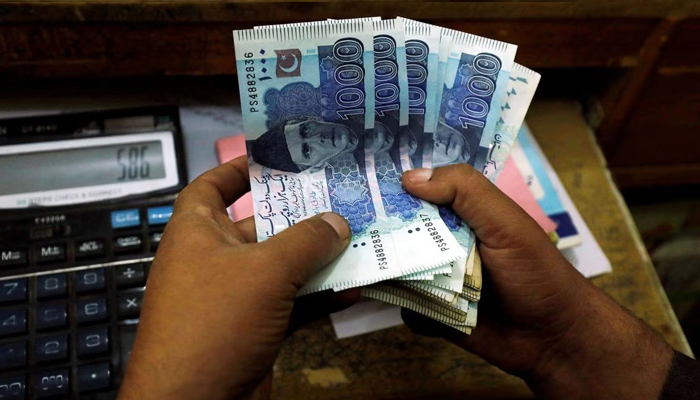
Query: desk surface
(394, 363)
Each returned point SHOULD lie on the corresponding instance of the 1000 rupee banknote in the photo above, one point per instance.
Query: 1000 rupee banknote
(307, 117)
(520, 90)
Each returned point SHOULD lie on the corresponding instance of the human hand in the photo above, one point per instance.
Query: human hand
(539, 318)
(218, 304)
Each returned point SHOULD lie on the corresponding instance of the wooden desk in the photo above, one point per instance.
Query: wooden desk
(394, 363)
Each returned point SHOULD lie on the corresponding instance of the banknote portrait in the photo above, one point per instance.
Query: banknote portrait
(302, 143)
(449, 146)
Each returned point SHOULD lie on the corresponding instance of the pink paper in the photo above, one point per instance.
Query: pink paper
(512, 183)
(228, 149)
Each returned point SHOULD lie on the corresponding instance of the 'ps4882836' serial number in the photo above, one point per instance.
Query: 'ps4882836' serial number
(378, 248)
(433, 232)
(250, 82)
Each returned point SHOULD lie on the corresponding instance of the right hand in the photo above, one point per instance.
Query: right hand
(539, 318)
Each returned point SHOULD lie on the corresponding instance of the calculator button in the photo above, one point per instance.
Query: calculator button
(127, 337)
(13, 322)
(51, 383)
(13, 388)
(90, 280)
(52, 348)
(13, 258)
(155, 239)
(51, 253)
(93, 377)
(125, 218)
(90, 310)
(130, 304)
(51, 285)
(159, 215)
(127, 244)
(89, 248)
(13, 290)
(12, 355)
(130, 276)
(51, 316)
(93, 341)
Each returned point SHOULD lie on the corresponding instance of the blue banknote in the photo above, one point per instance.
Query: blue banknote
(520, 90)
(476, 75)
(391, 119)
(308, 111)
(422, 45)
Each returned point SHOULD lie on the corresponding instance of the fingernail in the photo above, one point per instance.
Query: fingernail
(338, 223)
(419, 175)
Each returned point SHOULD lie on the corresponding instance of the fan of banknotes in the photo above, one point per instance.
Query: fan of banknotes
(335, 111)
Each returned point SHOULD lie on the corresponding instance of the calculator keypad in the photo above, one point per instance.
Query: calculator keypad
(68, 323)
(69, 334)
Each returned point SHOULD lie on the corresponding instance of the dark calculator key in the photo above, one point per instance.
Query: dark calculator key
(51, 285)
(13, 322)
(130, 276)
(130, 304)
(92, 310)
(13, 355)
(50, 316)
(93, 377)
(127, 244)
(13, 290)
(51, 383)
(90, 280)
(127, 337)
(156, 237)
(13, 258)
(93, 341)
(13, 388)
(50, 253)
(89, 248)
(53, 348)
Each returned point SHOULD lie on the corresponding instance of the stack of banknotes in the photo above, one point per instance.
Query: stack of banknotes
(335, 111)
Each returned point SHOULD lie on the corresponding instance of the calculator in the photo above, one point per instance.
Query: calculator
(84, 199)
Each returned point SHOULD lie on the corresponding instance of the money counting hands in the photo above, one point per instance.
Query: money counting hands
(335, 111)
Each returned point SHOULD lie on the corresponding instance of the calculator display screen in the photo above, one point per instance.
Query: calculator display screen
(87, 170)
(71, 168)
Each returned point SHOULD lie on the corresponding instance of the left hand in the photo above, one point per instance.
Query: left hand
(218, 304)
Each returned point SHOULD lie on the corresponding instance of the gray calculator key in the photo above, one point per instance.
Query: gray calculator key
(51, 383)
(93, 377)
(13, 355)
(93, 341)
(13, 322)
(53, 348)
(127, 337)
(90, 280)
(51, 285)
(50, 316)
(130, 304)
(13, 290)
(130, 275)
(13, 388)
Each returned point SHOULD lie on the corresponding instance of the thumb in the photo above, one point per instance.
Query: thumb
(299, 251)
(497, 220)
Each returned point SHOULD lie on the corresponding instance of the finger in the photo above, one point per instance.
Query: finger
(314, 306)
(496, 219)
(217, 188)
(246, 227)
(301, 250)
